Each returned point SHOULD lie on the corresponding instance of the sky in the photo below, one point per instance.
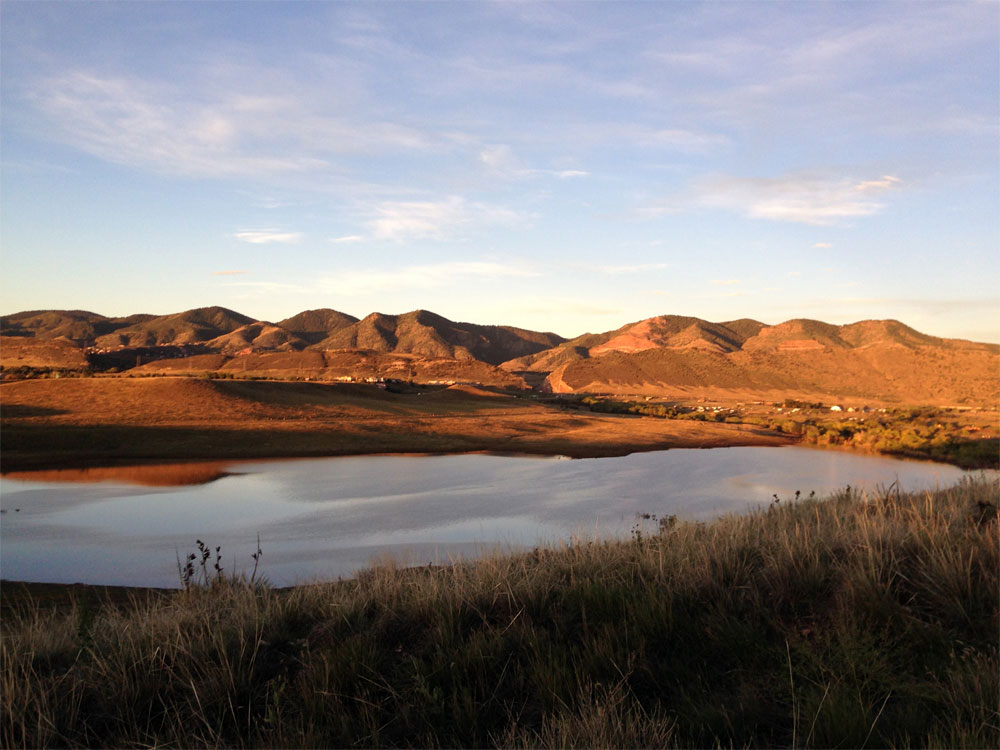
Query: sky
(565, 167)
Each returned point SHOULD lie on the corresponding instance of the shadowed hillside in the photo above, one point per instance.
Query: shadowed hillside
(431, 335)
(192, 326)
(78, 326)
(312, 326)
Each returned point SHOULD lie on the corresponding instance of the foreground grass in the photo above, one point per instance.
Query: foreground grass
(846, 622)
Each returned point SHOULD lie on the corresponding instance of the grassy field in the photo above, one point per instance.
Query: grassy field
(100, 421)
(845, 622)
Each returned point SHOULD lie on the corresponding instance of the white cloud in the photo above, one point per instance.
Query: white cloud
(268, 236)
(805, 199)
(375, 281)
(401, 220)
(822, 245)
(346, 239)
(884, 183)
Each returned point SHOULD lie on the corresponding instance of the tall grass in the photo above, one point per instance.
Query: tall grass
(846, 622)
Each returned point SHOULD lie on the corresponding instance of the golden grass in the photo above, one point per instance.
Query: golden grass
(848, 622)
(59, 423)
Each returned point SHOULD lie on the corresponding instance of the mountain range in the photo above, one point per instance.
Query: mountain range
(668, 355)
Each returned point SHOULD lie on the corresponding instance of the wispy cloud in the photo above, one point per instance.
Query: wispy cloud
(266, 286)
(801, 198)
(883, 183)
(822, 245)
(726, 282)
(347, 239)
(268, 236)
(154, 125)
(500, 161)
(637, 268)
(635, 134)
(206, 130)
(374, 281)
(402, 220)
(228, 273)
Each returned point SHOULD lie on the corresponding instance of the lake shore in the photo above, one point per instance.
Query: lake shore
(114, 422)
(835, 622)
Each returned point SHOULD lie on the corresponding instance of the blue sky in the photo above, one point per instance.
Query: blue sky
(568, 167)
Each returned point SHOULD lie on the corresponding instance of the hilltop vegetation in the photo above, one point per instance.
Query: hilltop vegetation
(846, 622)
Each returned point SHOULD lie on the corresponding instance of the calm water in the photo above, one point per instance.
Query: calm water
(323, 518)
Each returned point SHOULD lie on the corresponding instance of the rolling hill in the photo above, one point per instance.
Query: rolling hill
(669, 355)
(78, 326)
(431, 335)
(661, 332)
(882, 360)
(312, 326)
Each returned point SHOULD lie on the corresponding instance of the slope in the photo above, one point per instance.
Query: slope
(430, 335)
(192, 326)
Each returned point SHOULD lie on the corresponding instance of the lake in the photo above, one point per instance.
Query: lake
(327, 518)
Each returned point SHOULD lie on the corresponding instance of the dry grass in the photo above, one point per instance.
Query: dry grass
(50, 423)
(847, 622)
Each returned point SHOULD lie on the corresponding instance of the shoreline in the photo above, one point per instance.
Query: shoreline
(404, 444)
(46, 463)
(105, 422)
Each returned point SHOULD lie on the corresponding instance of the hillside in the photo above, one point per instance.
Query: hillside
(431, 335)
(58, 353)
(192, 326)
(661, 332)
(258, 335)
(312, 326)
(419, 332)
(78, 326)
(669, 356)
(876, 360)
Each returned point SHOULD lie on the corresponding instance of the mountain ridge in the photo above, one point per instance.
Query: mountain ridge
(662, 355)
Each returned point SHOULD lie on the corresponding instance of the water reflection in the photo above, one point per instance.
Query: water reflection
(323, 518)
(150, 475)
